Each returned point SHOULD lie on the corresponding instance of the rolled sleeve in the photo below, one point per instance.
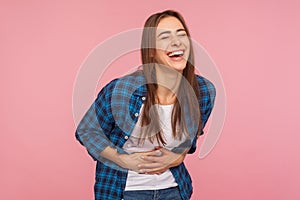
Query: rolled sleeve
(96, 124)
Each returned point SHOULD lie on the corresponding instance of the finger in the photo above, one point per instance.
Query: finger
(155, 172)
(151, 158)
(153, 153)
(163, 150)
(146, 166)
(158, 170)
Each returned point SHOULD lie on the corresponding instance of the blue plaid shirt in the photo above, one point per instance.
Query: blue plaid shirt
(109, 122)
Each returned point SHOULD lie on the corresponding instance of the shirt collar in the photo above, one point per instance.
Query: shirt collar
(141, 91)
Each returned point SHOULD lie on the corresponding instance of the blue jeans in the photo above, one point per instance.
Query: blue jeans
(163, 194)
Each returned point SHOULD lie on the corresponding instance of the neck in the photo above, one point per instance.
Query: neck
(168, 81)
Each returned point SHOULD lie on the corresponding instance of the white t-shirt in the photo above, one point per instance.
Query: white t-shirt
(136, 181)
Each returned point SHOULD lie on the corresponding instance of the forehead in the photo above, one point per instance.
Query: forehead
(169, 23)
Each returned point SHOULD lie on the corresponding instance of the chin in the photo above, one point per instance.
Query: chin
(178, 66)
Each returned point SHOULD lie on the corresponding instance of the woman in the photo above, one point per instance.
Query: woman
(142, 125)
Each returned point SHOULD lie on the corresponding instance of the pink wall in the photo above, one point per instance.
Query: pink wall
(255, 46)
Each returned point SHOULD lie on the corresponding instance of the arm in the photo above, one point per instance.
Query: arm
(93, 127)
(94, 131)
(208, 91)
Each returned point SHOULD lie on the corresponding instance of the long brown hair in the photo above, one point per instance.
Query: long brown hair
(149, 62)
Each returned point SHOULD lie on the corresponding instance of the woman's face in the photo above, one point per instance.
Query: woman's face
(172, 44)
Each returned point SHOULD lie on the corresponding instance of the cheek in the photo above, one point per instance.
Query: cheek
(186, 43)
(162, 45)
(159, 54)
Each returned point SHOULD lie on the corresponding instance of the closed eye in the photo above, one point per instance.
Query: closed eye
(182, 33)
(164, 37)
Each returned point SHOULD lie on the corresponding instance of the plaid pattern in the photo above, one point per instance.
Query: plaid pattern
(109, 122)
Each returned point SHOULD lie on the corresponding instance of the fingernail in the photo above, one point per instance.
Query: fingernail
(142, 157)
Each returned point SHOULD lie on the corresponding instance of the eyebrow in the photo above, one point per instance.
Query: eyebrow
(178, 30)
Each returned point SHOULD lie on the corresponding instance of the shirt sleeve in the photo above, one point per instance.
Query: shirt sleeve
(207, 101)
(92, 130)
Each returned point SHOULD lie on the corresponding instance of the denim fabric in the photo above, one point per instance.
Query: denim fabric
(163, 194)
(110, 121)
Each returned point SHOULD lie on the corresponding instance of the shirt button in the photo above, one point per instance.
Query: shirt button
(136, 114)
(143, 98)
(126, 137)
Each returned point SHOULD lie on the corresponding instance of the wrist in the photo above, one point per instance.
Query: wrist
(121, 160)
(178, 161)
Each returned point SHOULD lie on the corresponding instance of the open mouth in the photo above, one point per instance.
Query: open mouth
(175, 54)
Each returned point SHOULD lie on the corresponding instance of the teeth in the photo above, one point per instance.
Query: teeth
(176, 53)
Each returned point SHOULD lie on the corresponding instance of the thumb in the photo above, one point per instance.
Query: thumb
(163, 150)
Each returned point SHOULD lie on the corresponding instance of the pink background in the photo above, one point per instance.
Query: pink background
(255, 46)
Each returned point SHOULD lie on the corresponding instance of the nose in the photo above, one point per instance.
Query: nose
(175, 41)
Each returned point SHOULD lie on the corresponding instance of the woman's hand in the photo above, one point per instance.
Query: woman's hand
(135, 160)
(151, 162)
(159, 162)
